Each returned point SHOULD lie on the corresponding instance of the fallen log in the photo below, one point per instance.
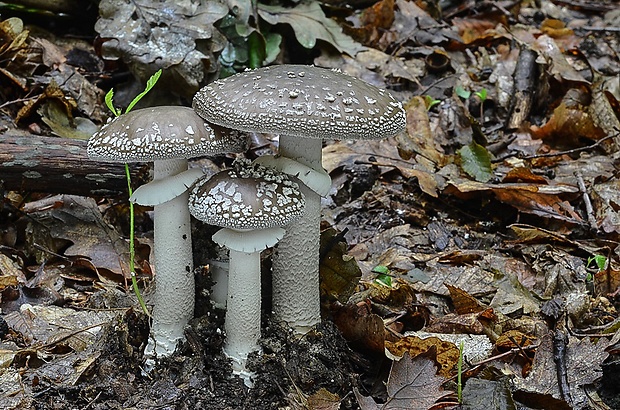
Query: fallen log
(61, 166)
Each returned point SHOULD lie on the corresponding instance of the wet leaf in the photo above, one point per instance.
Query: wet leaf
(360, 327)
(567, 126)
(558, 64)
(78, 220)
(463, 302)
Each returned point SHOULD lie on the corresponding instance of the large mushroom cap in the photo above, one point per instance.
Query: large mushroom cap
(165, 132)
(247, 196)
(303, 101)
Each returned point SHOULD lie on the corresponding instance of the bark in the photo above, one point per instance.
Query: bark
(61, 166)
(525, 85)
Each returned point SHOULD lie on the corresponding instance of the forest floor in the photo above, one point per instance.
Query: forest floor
(486, 236)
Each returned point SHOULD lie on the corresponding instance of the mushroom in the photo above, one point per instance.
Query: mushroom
(251, 203)
(303, 104)
(167, 136)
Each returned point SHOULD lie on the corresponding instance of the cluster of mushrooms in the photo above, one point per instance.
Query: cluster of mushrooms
(275, 200)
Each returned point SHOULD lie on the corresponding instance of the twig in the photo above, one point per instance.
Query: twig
(608, 29)
(570, 151)
(587, 202)
(560, 342)
(92, 401)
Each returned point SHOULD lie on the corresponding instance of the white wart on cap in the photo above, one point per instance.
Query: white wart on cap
(247, 197)
(304, 101)
(157, 133)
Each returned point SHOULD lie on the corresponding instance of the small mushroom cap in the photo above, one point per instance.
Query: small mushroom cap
(165, 132)
(245, 197)
(303, 101)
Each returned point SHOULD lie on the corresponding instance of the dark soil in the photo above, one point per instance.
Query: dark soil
(198, 375)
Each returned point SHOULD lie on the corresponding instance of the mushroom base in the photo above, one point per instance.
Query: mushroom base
(174, 277)
(243, 310)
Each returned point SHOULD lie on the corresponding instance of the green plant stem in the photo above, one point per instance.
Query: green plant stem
(132, 248)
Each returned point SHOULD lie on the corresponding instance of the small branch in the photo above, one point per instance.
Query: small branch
(571, 151)
(587, 202)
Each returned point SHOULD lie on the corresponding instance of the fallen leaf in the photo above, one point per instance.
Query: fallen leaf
(583, 360)
(339, 272)
(412, 384)
(446, 353)
(480, 394)
(148, 36)
(310, 24)
(476, 162)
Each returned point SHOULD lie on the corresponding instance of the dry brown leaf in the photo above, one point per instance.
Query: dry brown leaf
(513, 339)
(567, 126)
(463, 302)
(360, 327)
(412, 384)
(473, 30)
(446, 353)
(607, 281)
(525, 175)
(546, 206)
(339, 272)
(418, 138)
(466, 323)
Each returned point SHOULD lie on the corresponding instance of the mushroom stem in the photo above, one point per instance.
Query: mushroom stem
(174, 278)
(296, 296)
(243, 309)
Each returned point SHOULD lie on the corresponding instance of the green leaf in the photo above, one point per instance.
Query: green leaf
(482, 94)
(256, 50)
(381, 269)
(310, 24)
(430, 102)
(599, 260)
(109, 97)
(476, 162)
(385, 280)
(149, 85)
(272, 46)
(462, 92)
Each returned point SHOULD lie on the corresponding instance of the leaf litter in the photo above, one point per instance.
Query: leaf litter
(495, 200)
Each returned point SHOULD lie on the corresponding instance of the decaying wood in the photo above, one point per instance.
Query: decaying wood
(61, 166)
(525, 85)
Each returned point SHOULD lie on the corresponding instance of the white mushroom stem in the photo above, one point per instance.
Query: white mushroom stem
(296, 296)
(243, 309)
(174, 278)
(243, 306)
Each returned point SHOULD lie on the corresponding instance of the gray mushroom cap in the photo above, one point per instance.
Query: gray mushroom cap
(303, 101)
(246, 197)
(156, 133)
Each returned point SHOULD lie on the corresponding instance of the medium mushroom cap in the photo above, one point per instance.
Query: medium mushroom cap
(304, 101)
(165, 132)
(246, 197)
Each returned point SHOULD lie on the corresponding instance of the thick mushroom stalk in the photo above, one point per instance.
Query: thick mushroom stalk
(295, 282)
(166, 136)
(300, 103)
(251, 203)
(174, 287)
